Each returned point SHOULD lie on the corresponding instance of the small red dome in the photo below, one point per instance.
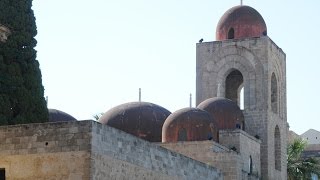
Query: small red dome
(225, 112)
(241, 22)
(59, 116)
(189, 124)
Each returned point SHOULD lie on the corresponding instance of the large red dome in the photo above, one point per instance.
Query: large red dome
(141, 119)
(241, 22)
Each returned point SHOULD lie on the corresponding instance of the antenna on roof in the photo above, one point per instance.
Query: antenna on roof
(190, 100)
(139, 94)
(241, 3)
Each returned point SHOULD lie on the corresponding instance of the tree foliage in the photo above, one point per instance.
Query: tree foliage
(21, 90)
(97, 116)
(299, 167)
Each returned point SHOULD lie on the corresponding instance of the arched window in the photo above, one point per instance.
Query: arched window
(182, 135)
(234, 83)
(274, 93)
(277, 149)
(231, 33)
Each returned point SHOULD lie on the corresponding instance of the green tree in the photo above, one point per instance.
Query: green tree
(298, 167)
(97, 116)
(21, 90)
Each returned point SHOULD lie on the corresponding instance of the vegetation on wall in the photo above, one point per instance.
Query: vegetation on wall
(21, 90)
(299, 167)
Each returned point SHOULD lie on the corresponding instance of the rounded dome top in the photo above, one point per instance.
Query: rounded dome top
(241, 22)
(141, 119)
(58, 116)
(189, 124)
(225, 112)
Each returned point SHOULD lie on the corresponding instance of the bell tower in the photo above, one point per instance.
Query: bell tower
(245, 59)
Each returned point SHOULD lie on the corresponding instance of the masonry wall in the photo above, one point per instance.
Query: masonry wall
(90, 150)
(116, 154)
(247, 146)
(46, 151)
(211, 153)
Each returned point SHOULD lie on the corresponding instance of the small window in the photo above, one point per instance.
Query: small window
(316, 137)
(2, 174)
(231, 33)
(250, 165)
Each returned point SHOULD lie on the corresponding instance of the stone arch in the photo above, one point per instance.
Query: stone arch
(277, 148)
(278, 71)
(242, 59)
(250, 84)
(274, 94)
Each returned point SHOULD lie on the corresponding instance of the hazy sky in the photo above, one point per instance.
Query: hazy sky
(96, 54)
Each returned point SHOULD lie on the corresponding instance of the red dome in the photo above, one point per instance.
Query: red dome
(225, 112)
(141, 119)
(189, 124)
(241, 22)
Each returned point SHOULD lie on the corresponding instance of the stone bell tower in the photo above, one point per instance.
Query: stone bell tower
(244, 59)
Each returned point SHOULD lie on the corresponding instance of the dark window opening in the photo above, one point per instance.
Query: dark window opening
(274, 93)
(234, 84)
(250, 165)
(2, 174)
(231, 33)
(238, 126)
(210, 136)
(182, 135)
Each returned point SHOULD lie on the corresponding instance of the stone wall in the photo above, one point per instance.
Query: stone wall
(118, 154)
(90, 150)
(211, 153)
(46, 151)
(248, 148)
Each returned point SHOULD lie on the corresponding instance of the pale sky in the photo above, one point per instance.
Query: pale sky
(96, 54)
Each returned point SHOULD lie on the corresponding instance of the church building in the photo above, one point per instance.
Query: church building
(238, 131)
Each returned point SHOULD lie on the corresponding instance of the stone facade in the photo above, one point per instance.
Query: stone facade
(262, 65)
(243, 162)
(90, 150)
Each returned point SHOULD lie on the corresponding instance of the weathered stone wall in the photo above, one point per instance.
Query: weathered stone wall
(116, 154)
(90, 150)
(211, 153)
(247, 147)
(257, 59)
(46, 151)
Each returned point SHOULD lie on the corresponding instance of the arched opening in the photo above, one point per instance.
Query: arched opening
(182, 135)
(231, 33)
(274, 93)
(234, 84)
(277, 149)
